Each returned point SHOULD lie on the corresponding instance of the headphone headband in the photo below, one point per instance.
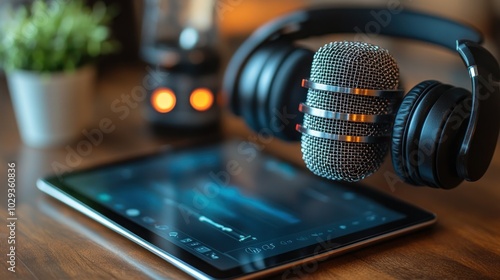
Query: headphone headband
(405, 24)
(323, 21)
(484, 123)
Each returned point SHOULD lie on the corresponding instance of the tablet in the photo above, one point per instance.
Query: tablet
(227, 210)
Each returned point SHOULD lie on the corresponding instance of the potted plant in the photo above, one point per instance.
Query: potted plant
(47, 51)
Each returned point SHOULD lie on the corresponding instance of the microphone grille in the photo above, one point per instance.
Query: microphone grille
(350, 65)
(353, 65)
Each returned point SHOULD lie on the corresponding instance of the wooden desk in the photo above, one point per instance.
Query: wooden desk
(56, 242)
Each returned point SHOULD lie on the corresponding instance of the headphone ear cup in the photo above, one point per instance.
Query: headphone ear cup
(264, 88)
(249, 80)
(282, 113)
(440, 139)
(401, 127)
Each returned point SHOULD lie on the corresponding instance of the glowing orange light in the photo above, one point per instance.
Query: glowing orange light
(163, 100)
(201, 99)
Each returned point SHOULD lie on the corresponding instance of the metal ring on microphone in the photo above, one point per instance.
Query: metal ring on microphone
(358, 91)
(345, 117)
(344, 138)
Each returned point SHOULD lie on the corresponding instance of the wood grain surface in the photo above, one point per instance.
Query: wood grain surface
(56, 242)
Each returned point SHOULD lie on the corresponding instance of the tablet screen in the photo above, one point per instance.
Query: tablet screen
(230, 207)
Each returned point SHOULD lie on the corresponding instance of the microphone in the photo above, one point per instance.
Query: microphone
(349, 110)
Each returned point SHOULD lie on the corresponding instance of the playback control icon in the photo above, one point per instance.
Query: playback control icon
(253, 250)
(200, 248)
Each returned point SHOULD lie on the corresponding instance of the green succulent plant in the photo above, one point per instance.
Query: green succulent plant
(55, 36)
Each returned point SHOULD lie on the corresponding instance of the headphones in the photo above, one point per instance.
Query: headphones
(442, 134)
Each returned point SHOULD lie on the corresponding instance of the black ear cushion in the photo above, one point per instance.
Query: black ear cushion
(249, 79)
(441, 137)
(264, 85)
(415, 151)
(401, 123)
(287, 93)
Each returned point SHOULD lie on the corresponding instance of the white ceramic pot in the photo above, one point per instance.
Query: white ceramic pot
(52, 109)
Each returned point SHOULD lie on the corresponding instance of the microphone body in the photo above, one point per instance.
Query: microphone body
(349, 111)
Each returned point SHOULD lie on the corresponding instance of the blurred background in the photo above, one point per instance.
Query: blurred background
(236, 19)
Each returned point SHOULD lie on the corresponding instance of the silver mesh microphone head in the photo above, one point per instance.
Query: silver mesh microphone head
(353, 65)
